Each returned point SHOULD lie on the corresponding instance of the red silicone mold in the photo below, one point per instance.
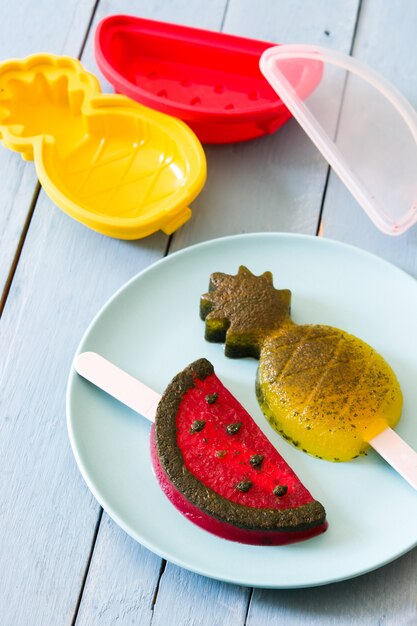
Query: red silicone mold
(210, 80)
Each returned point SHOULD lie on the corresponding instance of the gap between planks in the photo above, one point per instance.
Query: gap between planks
(319, 229)
(87, 567)
(248, 607)
(19, 248)
(155, 595)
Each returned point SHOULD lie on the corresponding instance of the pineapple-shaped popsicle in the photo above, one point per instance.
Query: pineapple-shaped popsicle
(324, 390)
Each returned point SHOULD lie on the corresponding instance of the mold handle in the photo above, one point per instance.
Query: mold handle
(178, 220)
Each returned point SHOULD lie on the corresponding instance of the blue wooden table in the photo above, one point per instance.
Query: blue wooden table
(62, 560)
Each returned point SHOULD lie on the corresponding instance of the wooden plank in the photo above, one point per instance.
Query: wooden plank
(381, 597)
(274, 183)
(48, 517)
(121, 581)
(386, 42)
(26, 28)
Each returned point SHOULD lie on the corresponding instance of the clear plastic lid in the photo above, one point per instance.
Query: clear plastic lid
(361, 123)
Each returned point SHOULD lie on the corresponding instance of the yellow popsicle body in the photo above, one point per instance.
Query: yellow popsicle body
(326, 391)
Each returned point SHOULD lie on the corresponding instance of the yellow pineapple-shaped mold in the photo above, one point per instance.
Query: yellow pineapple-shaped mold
(111, 163)
(324, 390)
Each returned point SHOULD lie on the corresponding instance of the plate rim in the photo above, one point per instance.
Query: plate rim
(107, 507)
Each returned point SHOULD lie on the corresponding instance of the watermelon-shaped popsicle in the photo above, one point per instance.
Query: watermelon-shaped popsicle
(219, 469)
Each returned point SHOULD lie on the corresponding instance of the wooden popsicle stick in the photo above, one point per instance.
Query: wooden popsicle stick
(117, 383)
(397, 453)
(144, 401)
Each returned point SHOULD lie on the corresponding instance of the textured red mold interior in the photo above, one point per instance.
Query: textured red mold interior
(189, 72)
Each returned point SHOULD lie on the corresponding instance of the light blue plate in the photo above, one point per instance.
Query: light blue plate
(151, 328)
